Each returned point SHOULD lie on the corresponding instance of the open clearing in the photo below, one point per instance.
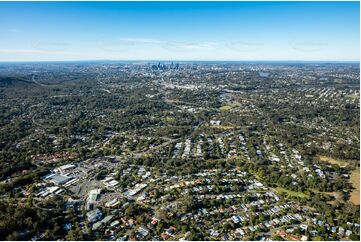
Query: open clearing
(229, 106)
(225, 108)
(292, 193)
(355, 180)
(333, 161)
(353, 96)
(224, 127)
(336, 195)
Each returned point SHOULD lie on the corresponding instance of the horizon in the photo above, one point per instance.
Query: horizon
(174, 31)
(189, 61)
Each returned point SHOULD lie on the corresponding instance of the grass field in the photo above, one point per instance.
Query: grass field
(355, 180)
(225, 127)
(353, 96)
(170, 119)
(291, 193)
(333, 161)
(225, 108)
(229, 106)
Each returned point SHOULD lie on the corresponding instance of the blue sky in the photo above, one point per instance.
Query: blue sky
(39, 31)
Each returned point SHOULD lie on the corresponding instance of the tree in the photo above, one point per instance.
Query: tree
(75, 235)
(354, 237)
(13, 236)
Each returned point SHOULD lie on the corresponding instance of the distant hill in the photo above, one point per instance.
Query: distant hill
(14, 81)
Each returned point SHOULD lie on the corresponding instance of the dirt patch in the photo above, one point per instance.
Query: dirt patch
(355, 180)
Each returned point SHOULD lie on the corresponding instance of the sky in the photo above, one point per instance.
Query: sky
(60, 31)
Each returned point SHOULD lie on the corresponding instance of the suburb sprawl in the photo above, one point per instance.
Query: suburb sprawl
(179, 151)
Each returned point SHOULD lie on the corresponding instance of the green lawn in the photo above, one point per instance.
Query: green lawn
(221, 126)
(230, 106)
(292, 193)
(225, 108)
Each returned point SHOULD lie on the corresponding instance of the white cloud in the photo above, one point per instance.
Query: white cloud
(126, 44)
(185, 46)
(30, 51)
(51, 46)
(242, 46)
(308, 46)
(14, 30)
